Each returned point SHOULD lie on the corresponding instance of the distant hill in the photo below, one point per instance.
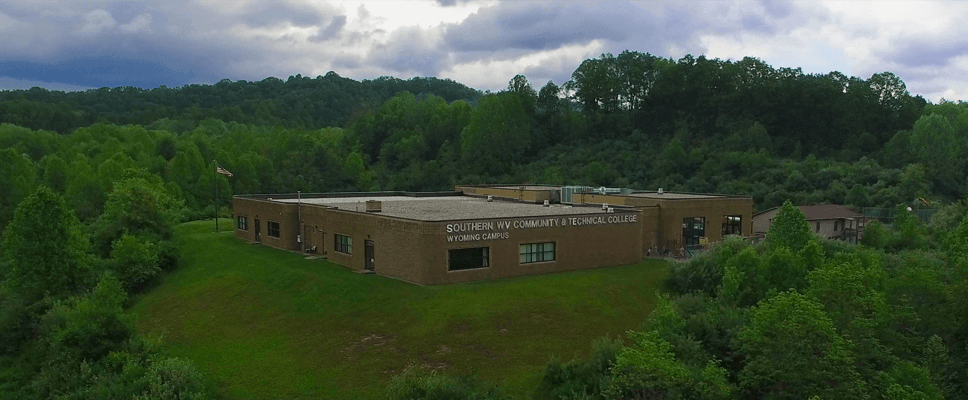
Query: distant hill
(296, 103)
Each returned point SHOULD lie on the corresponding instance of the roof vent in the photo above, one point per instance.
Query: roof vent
(660, 191)
(374, 206)
(490, 198)
(547, 203)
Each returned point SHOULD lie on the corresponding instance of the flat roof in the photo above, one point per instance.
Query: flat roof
(516, 187)
(677, 196)
(449, 208)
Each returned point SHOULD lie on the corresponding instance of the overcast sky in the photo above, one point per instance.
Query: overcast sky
(76, 44)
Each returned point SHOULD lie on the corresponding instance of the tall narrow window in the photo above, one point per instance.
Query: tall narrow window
(273, 228)
(242, 223)
(818, 226)
(473, 258)
(536, 252)
(344, 244)
(693, 228)
(732, 225)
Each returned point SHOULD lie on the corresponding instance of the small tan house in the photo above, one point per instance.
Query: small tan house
(830, 221)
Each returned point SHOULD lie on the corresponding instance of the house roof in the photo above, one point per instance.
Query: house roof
(816, 212)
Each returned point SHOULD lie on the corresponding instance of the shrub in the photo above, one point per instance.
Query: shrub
(705, 272)
(576, 379)
(174, 379)
(135, 261)
(416, 384)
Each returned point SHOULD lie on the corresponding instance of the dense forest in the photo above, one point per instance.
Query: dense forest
(102, 175)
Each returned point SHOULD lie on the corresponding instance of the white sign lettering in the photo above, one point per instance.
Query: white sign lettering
(498, 230)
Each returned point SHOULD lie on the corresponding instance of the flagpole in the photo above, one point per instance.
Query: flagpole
(215, 175)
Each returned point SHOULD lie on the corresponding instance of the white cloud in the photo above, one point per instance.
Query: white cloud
(96, 21)
(140, 23)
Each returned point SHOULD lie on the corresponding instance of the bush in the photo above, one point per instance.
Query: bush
(135, 261)
(421, 385)
(705, 272)
(175, 379)
(576, 379)
(168, 256)
(875, 235)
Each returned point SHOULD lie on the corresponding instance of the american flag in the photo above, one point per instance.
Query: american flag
(223, 171)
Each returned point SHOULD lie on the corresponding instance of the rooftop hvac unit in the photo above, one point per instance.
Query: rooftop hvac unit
(374, 206)
(660, 191)
(547, 203)
(490, 198)
(610, 210)
(604, 207)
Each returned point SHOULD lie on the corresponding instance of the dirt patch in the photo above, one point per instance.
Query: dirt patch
(373, 343)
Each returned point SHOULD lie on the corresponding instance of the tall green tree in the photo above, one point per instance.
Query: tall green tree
(45, 252)
(497, 136)
(935, 145)
(138, 206)
(793, 351)
(789, 228)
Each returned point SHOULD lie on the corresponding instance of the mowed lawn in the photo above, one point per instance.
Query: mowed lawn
(268, 324)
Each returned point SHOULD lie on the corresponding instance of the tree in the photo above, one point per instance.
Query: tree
(497, 136)
(18, 178)
(789, 228)
(934, 145)
(135, 261)
(875, 235)
(793, 351)
(520, 86)
(137, 206)
(44, 249)
(648, 369)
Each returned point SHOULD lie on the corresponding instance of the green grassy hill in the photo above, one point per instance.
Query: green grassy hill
(265, 323)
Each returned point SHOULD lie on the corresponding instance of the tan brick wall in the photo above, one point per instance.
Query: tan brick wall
(417, 251)
(577, 247)
(259, 213)
(672, 211)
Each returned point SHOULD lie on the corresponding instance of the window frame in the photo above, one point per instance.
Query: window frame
(340, 247)
(728, 223)
(687, 240)
(269, 229)
(485, 258)
(537, 252)
(241, 223)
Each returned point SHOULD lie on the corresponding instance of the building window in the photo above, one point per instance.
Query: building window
(732, 225)
(273, 229)
(473, 258)
(343, 244)
(537, 252)
(693, 228)
(242, 224)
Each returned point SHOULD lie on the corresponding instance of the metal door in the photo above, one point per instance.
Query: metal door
(258, 237)
(368, 244)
